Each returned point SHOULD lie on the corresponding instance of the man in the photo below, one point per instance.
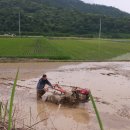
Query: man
(41, 86)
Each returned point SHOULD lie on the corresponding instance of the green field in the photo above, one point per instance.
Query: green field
(63, 48)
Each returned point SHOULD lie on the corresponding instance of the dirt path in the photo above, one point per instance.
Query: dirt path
(125, 57)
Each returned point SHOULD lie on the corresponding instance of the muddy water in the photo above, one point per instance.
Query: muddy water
(49, 116)
(27, 70)
(109, 83)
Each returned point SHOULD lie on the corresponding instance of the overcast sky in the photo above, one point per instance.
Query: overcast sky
(121, 4)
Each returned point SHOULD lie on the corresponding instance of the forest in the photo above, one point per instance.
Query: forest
(62, 18)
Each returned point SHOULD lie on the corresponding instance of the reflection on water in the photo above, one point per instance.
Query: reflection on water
(63, 117)
(29, 112)
(42, 113)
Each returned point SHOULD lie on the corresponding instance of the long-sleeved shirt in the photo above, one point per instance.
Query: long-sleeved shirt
(41, 84)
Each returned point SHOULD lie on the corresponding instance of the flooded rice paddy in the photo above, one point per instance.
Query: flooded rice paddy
(109, 83)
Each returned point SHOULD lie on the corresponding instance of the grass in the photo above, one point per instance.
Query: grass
(3, 112)
(11, 102)
(0, 111)
(62, 48)
(4, 109)
(92, 49)
(96, 112)
(29, 48)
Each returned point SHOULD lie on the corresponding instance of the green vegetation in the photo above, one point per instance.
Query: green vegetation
(29, 48)
(4, 112)
(63, 48)
(11, 102)
(96, 112)
(62, 18)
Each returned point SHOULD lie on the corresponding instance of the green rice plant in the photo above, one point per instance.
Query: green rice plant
(11, 102)
(0, 111)
(96, 111)
(63, 48)
(5, 111)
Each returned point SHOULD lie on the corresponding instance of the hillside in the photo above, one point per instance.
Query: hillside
(37, 5)
(86, 8)
(61, 18)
